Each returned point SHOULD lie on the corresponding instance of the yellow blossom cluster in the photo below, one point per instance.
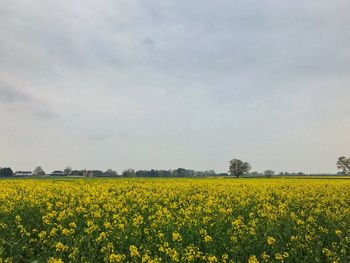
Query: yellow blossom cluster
(175, 220)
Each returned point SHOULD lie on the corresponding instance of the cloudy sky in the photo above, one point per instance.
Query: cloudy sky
(174, 83)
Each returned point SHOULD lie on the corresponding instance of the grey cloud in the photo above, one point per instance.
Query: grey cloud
(9, 95)
(231, 77)
(16, 100)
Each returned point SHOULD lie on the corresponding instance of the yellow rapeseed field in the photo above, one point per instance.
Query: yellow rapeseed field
(175, 220)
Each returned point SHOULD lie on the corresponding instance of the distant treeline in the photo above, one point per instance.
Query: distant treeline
(237, 168)
(180, 172)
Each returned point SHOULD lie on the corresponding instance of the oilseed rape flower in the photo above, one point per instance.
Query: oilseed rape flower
(207, 238)
(176, 237)
(338, 232)
(134, 252)
(212, 258)
(174, 220)
(270, 241)
(55, 260)
(253, 259)
(65, 232)
(60, 247)
(116, 258)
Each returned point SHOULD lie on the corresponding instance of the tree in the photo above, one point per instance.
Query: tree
(111, 173)
(269, 173)
(6, 172)
(180, 172)
(254, 174)
(39, 171)
(239, 168)
(164, 173)
(77, 173)
(129, 173)
(68, 170)
(343, 164)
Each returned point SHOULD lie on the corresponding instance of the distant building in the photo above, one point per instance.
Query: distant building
(58, 173)
(92, 173)
(23, 173)
(88, 173)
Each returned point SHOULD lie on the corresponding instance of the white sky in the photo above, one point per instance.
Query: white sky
(166, 84)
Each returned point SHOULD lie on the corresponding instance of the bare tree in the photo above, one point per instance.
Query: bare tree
(239, 168)
(68, 170)
(111, 172)
(343, 164)
(129, 173)
(269, 173)
(39, 171)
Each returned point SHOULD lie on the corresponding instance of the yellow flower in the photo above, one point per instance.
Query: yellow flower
(212, 258)
(176, 237)
(18, 219)
(42, 235)
(53, 231)
(224, 257)
(327, 252)
(101, 237)
(55, 260)
(174, 220)
(270, 241)
(60, 247)
(73, 254)
(338, 232)
(279, 256)
(207, 238)
(134, 252)
(265, 256)
(116, 258)
(65, 232)
(173, 254)
(253, 259)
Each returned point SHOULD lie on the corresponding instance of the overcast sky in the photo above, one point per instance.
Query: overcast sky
(174, 83)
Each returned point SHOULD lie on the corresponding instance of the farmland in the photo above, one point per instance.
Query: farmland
(175, 220)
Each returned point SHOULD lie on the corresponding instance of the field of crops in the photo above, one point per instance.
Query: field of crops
(175, 220)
